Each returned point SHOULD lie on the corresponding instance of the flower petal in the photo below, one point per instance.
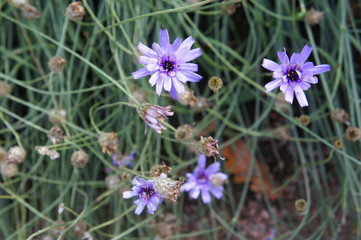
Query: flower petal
(294, 59)
(154, 78)
(270, 65)
(163, 38)
(305, 53)
(159, 85)
(273, 84)
(129, 194)
(178, 85)
(167, 83)
(147, 60)
(301, 97)
(192, 77)
(305, 85)
(206, 197)
(143, 72)
(186, 44)
(213, 168)
(217, 192)
(202, 161)
(192, 54)
(188, 186)
(146, 50)
(194, 193)
(177, 42)
(283, 57)
(181, 77)
(139, 208)
(289, 94)
(188, 67)
(173, 93)
(157, 49)
(321, 69)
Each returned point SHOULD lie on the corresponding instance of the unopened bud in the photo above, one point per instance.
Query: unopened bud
(109, 142)
(79, 159)
(57, 64)
(55, 135)
(5, 88)
(215, 83)
(301, 205)
(16, 154)
(304, 120)
(56, 116)
(30, 12)
(75, 11)
(183, 133)
(352, 134)
(112, 181)
(314, 17)
(79, 229)
(339, 115)
(338, 144)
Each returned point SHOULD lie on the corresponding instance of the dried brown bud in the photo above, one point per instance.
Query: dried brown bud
(215, 83)
(55, 135)
(157, 170)
(281, 103)
(183, 133)
(79, 229)
(187, 98)
(338, 144)
(209, 147)
(9, 169)
(30, 12)
(75, 11)
(304, 120)
(352, 134)
(16, 154)
(58, 227)
(140, 95)
(3, 155)
(57, 64)
(301, 205)
(168, 188)
(108, 142)
(126, 177)
(314, 17)
(5, 88)
(79, 159)
(112, 181)
(339, 115)
(56, 116)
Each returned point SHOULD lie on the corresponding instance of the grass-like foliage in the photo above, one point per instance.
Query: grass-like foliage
(76, 162)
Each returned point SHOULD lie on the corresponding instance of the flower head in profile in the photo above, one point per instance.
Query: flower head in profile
(294, 75)
(205, 181)
(154, 115)
(146, 194)
(168, 64)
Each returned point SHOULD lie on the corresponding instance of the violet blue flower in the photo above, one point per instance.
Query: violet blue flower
(126, 160)
(147, 196)
(294, 75)
(167, 64)
(205, 181)
(154, 115)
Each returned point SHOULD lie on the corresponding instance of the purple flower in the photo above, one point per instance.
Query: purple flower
(294, 75)
(167, 64)
(154, 115)
(205, 181)
(272, 235)
(126, 160)
(147, 196)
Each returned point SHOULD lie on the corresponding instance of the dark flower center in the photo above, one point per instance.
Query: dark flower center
(168, 65)
(292, 76)
(202, 178)
(147, 192)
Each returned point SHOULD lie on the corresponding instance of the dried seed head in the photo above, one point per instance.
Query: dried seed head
(281, 103)
(108, 142)
(57, 64)
(338, 144)
(183, 133)
(9, 169)
(352, 134)
(79, 159)
(187, 98)
(16, 154)
(44, 150)
(209, 147)
(58, 227)
(19, 3)
(301, 205)
(112, 181)
(56, 116)
(55, 135)
(75, 11)
(282, 132)
(139, 94)
(3, 155)
(215, 83)
(339, 115)
(157, 170)
(304, 120)
(229, 9)
(79, 229)
(30, 12)
(314, 17)
(5, 88)
(201, 104)
(218, 179)
(168, 188)
(126, 177)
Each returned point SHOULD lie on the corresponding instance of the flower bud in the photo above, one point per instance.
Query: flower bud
(338, 144)
(75, 11)
(352, 134)
(9, 169)
(126, 177)
(79, 229)
(301, 205)
(109, 142)
(56, 116)
(30, 12)
(112, 181)
(55, 135)
(339, 115)
(314, 17)
(57, 64)
(183, 133)
(16, 154)
(215, 83)
(304, 120)
(5, 88)
(58, 227)
(79, 159)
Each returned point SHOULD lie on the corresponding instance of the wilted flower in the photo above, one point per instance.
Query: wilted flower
(154, 115)
(339, 115)
(30, 12)
(187, 98)
(200, 181)
(126, 160)
(55, 135)
(157, 170)
(75, 11)
(16, 154)
(353, 134)
(167, 64)
(294, 75)
(209, 147)
(146, 194)
(313, 16)
(79, 159)
(5, 88)
(56, 116)
(108, 142)
(57, 64)
(168, 188)
(183, 133)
